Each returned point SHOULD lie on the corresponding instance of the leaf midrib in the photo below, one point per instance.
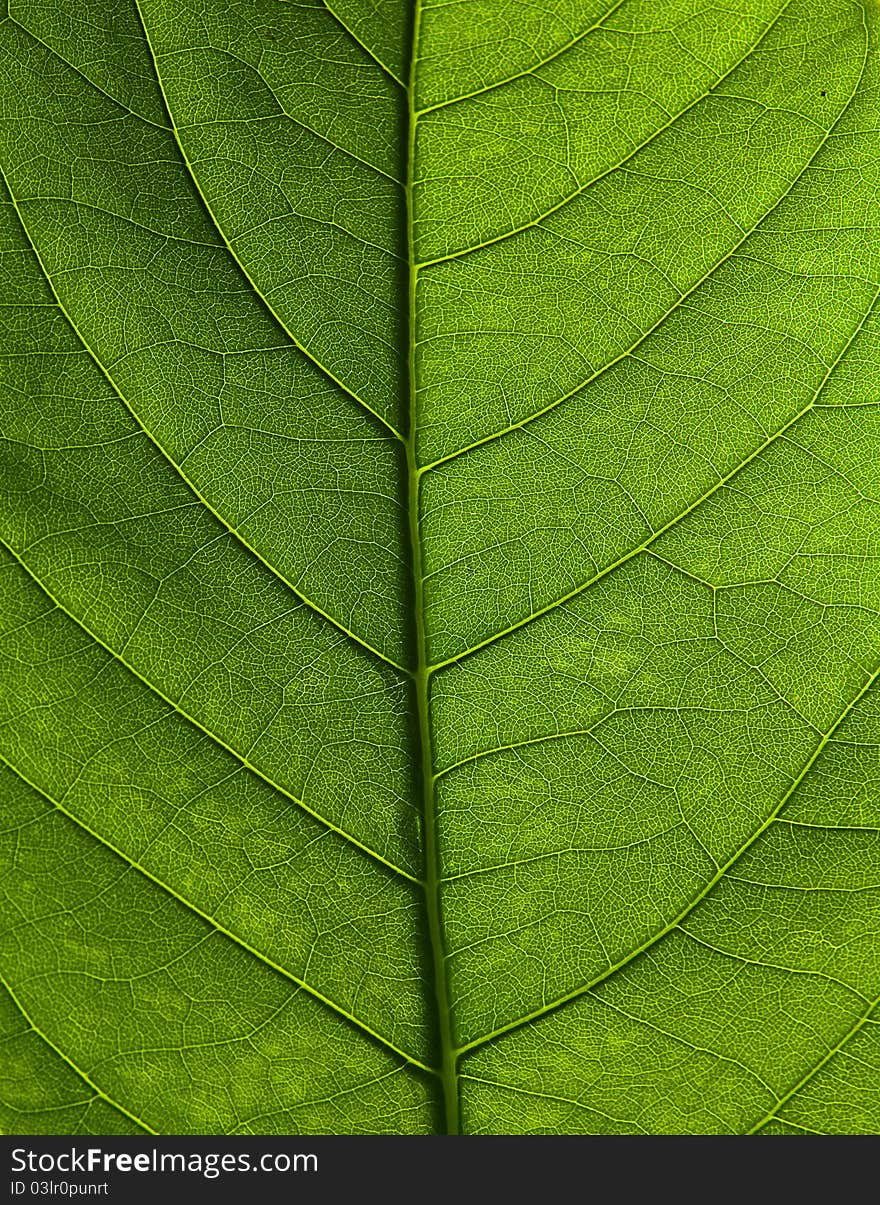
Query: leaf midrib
(433, 873)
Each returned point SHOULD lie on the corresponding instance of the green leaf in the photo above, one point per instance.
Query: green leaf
(440, 598)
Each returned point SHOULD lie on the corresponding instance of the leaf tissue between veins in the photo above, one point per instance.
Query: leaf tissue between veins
(440, 618)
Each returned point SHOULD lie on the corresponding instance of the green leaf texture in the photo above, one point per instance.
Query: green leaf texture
(440, 573)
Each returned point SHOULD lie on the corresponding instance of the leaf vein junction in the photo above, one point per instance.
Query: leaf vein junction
(553, 1005)
(239, 538)
(680, 301)
(212, 736)
(646, 544)
(222, 929)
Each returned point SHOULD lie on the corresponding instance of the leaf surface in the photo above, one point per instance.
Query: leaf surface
(440, 610)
